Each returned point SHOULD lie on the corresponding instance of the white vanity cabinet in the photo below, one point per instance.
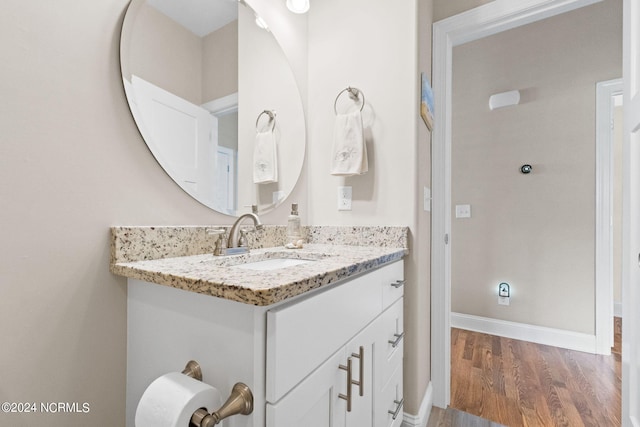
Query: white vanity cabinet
(336, 358)
(290, 353)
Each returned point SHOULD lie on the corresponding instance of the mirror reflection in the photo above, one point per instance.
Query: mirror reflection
(215, 100)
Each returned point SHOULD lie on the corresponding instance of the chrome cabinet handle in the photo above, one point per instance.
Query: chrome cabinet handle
(347, 397)
(394, 343)
(398, 283)
(360, 383)
(395, 413)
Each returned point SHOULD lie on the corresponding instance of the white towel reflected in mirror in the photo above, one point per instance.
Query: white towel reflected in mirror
(265, 163)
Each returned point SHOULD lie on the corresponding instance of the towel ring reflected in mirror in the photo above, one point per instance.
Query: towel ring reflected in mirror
(272, 119)
(354, 93)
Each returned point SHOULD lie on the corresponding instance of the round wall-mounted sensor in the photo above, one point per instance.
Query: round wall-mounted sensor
(526, 168)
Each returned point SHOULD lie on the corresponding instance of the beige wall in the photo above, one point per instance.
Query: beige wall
(533, 231)
(445, 8)
(351, 44)
(172, 61)
(220, 62)
(73, 164)
(355, 53)
(168, 55)
(266, 82)
(418, 300)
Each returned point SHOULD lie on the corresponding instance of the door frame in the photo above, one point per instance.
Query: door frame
(482, 21)
(605, 91)
(230, 207)
(630, 214)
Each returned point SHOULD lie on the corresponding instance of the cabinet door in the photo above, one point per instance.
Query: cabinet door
(315, 402)
(361, 349)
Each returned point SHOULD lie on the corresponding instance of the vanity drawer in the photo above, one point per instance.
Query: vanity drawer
(303, 334)
(390, 341)
(392, 284)
(389, 402)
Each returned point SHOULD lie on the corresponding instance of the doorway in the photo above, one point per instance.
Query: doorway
(481, 22)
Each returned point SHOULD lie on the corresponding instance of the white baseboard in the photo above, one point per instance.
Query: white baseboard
(424, 412)
(617, 309)
(522, 331)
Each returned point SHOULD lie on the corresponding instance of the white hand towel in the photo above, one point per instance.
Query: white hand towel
(349, 152)
(265, 163)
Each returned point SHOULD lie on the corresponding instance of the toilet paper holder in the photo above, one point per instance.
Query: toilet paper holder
(240, 401)
(192, 369)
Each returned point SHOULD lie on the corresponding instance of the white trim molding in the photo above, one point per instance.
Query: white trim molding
(617, 309)
(605, 92)
(521, 331)
(424, 412)
(483, 21)
(222, 106)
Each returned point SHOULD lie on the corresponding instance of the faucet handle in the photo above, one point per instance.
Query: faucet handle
(215, 231)
(218, 233)
(242, 242)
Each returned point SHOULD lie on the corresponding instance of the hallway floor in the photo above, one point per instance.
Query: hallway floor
(518, 383)
(454, 418)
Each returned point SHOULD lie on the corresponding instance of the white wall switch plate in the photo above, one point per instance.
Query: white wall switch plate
(427, 199)
(344, 198)
(503, 300)
(463, 211)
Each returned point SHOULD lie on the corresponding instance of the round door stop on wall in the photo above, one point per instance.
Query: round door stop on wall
(526, 169)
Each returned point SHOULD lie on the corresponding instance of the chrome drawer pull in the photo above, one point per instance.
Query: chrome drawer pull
(400, 403)
(347, 397)
(398, 283)
(360, 383)
(395, 342)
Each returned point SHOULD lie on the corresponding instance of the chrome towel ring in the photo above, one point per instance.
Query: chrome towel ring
(272, 119)
(354, 94)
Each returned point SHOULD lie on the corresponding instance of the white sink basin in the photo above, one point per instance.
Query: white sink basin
(272, 264)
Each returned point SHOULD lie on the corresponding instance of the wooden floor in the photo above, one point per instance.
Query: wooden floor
(454, 418)
(517, 383)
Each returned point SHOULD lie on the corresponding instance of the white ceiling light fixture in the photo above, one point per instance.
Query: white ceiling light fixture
(298, 6)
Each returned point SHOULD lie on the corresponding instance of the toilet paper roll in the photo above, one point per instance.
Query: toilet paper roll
(171, 399)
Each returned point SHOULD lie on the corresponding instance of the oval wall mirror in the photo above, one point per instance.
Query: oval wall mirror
(205, 81)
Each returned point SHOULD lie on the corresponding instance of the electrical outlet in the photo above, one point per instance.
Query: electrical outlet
(344, 198)
(504, 289)
(503, 300)
(463, 211)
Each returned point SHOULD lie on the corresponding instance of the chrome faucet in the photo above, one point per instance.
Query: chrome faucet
(232, 242)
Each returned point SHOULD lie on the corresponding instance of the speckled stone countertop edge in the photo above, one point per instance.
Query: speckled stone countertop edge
(204, 275)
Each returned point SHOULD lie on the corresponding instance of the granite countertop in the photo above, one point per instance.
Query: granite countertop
(217, 276)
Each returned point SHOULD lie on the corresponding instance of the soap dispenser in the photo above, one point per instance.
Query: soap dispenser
(294, 230)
